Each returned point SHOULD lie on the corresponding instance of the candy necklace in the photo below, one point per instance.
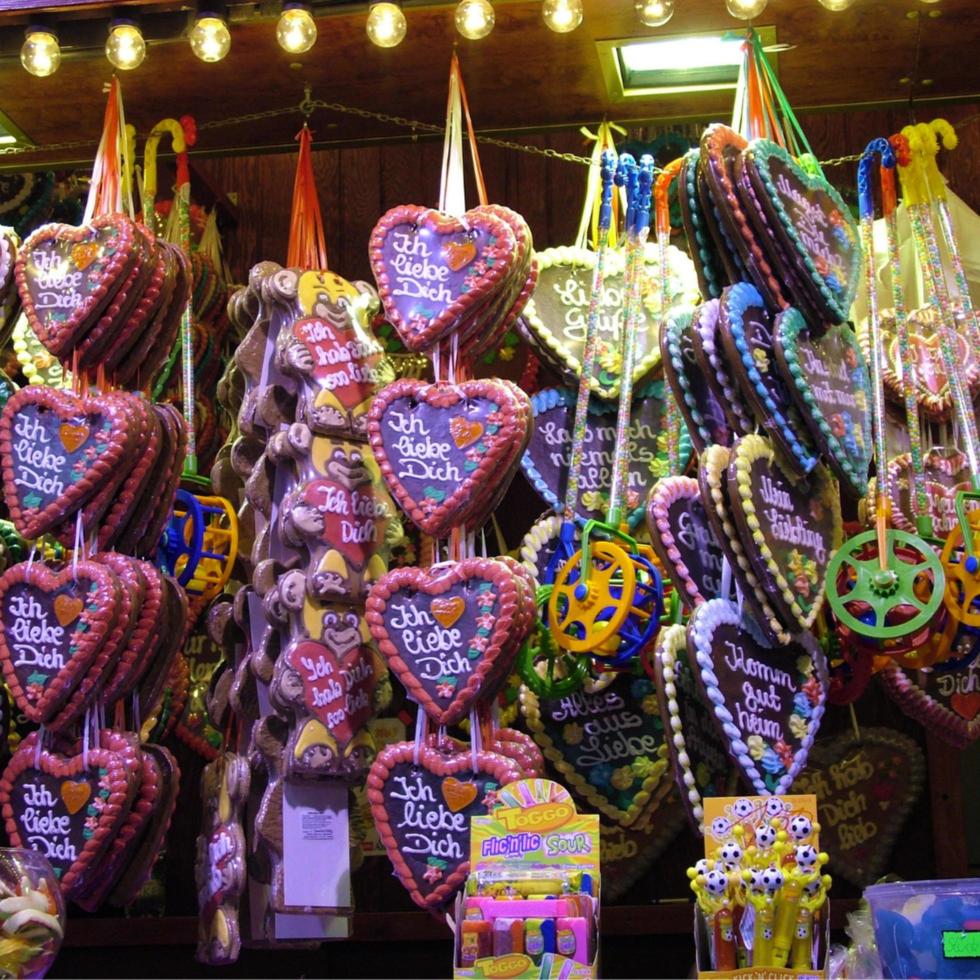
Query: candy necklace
(876, 577)
(607, 600)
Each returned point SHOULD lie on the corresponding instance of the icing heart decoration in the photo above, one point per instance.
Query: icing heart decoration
(450, 634)
(556, 316)
(447, 611)
(349, 518)
(422, 801)
(549, 452)
(72, 436)
(790, 530)
(814, 230)
(945, 699)
(865, 789)
(44, 480)
(458, 796)
(52, 627)
(697, 754)
(767, 701)
(435, 273)
(414, 430)
(68, 808)
(66, 275)
(608, 745)
(337, 691)
(828, 378)
(683, 540)
(75, 795)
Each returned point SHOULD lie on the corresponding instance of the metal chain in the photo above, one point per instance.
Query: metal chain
(309, 105)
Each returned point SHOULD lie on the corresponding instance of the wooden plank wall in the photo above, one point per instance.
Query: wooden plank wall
(358, 184)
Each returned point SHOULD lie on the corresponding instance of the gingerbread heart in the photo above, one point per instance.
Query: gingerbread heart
(608, 745)
(422, 801)
(556, 316)
(947, 472)
(865, 788)
(435, 271)
(683, 540)
(415, 431)
(790, 530)
(927, 371)
(546, 462)
(767, 701)
(69, 809)
(813, 227)
(945, 699)
(697, 754)
(703, 411)
(447, 668)
(829, 380)
(52, 627)
(746, 334)
(43, 479)
(67, 275)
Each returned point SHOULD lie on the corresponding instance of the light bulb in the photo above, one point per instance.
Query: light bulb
(562, 16)
(474, 18)
(125, 47)
(41, 53)
(296, 30)
(655, 13)
(386, 25)
(836, 5)
(210, 37)
(745, 9)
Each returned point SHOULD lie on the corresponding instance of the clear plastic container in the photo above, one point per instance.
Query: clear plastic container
(927, 929)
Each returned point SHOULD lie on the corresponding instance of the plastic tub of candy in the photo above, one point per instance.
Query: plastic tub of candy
(927, 929)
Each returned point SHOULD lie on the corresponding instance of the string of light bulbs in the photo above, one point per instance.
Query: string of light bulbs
(386, 26)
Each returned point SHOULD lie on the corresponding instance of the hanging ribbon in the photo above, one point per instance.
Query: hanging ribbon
(105, 195)
(603, 142)
(672, 419)
(307, 242)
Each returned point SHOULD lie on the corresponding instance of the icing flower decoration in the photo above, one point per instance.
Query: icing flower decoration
(801, 705)
(813, 690)
(649, 705)
(658, 467)
(804, 664)
(573, 733)
(601, 775)
(802, 567)
(771, 762)
(593, 500)
(507, 353)
(433, 874)
(836, 218)
(702, 775)
(784, 752)
(641, 687)
(761, 359)
(485, 621)
(610, 358)
(445, 690)
(643, 767)
(798, 726)
(490, 799)
(479, 643)
(756, 746)
(821, 264)
(623, 778)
